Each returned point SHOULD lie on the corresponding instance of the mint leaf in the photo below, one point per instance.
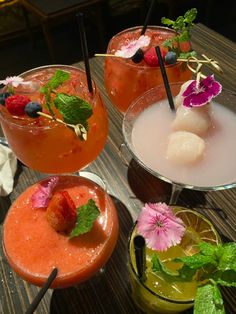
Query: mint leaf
(197, 261)
(227, 260)
(226, 278)
(73, 109)
(207, 249)
(208, 300)
(56, 80)
(186, 55)
(158, 266)
(166, 21)
(190, 15)
(86, 216)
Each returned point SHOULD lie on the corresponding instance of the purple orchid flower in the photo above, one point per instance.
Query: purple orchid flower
(199, 94)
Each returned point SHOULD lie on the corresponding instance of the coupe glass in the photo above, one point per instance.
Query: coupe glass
(125, 80)
(215, 171)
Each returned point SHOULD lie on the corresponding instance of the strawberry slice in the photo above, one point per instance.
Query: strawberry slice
(185, 46)
(151, 58)
(61, 212)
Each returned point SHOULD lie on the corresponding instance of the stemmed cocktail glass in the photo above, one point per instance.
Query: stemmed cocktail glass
(215, 171)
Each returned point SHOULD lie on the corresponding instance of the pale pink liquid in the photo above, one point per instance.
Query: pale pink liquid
(217, 167)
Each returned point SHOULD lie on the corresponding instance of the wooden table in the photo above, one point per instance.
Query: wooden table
(129, 187)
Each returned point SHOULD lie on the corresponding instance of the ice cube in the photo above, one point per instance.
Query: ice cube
(184, 147)
(196, 119)
(179, 99)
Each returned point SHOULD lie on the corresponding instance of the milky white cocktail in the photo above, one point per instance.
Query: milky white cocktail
(148, 126)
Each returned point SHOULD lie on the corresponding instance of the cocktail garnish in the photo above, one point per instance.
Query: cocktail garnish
(86, 216)
(128, 51)
(12, 81)
(199, 93)
(213, 266)
(180, 43)
(159, 226)
(43, 194)
(15, 104)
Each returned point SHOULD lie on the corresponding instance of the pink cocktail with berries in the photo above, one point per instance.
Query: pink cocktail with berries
(125, 79)
(65, 126)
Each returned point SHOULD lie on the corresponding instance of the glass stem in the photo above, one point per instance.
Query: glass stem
(175, 192)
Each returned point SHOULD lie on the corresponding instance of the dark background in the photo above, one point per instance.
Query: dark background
(17, 53)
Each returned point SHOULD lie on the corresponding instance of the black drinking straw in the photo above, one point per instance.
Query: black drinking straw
(42, 292)
(140, 256)
(146, 22)
(165, 79)
(80, 19)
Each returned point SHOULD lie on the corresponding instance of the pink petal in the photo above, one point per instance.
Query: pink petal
(197, 100)
(191, 89)
(127, 51)
(43, 193)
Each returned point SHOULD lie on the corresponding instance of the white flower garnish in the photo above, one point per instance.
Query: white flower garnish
(12, 80)
(127, 51)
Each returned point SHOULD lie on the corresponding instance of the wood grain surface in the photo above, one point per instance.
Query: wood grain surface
(130, 186)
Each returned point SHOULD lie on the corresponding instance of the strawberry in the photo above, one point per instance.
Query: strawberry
(16, 104)
(185, 46)
(150, 57)
(61, 212)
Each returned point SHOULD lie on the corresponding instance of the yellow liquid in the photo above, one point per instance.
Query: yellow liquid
(156, 295)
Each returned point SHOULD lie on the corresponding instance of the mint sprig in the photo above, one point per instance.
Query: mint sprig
(86, 216)
(182, 26)
(213, 266)
(74, 110)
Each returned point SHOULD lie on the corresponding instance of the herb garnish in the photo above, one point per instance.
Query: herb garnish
(74, 110)
(182, 26)
(86, 216)
(213, 266)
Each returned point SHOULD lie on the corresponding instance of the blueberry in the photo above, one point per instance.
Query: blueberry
(138, 56)
(171, 57)
(32, 108)
(3, 97)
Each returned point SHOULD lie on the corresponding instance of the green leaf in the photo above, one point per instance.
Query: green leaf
(179, 24)
(226, 278)
(56, 80)
(186, 55)
(73, 109)
(208, 300)
(166, 21)
(86, 216)
(227, 260)
(184, 36)
(158, 266)
(196, 261)
(207, 249)
(190, 15)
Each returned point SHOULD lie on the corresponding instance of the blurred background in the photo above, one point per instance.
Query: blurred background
(23, 43)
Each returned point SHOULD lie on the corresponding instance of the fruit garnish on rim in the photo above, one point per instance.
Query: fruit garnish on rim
(70, 110)
(184, 247)
(61, 212)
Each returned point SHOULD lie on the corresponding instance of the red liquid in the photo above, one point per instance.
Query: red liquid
(125, 80)
(33, 247)
(49, 146)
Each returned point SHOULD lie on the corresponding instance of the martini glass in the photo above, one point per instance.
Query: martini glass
(147, 145)
(126, 80)
(52, 147)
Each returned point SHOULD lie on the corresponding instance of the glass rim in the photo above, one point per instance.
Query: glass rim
(143, 284)
(4, 117)
(134, 65)
(156, 174)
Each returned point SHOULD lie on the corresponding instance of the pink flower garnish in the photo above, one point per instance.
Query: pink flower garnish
(127, 51)
(12, 80)
(197, 95)
(43, 194)
(159, 226)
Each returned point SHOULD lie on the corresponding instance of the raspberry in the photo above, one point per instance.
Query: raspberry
(16, 104)
(150, 57)
(185, 46)
(61, 212)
